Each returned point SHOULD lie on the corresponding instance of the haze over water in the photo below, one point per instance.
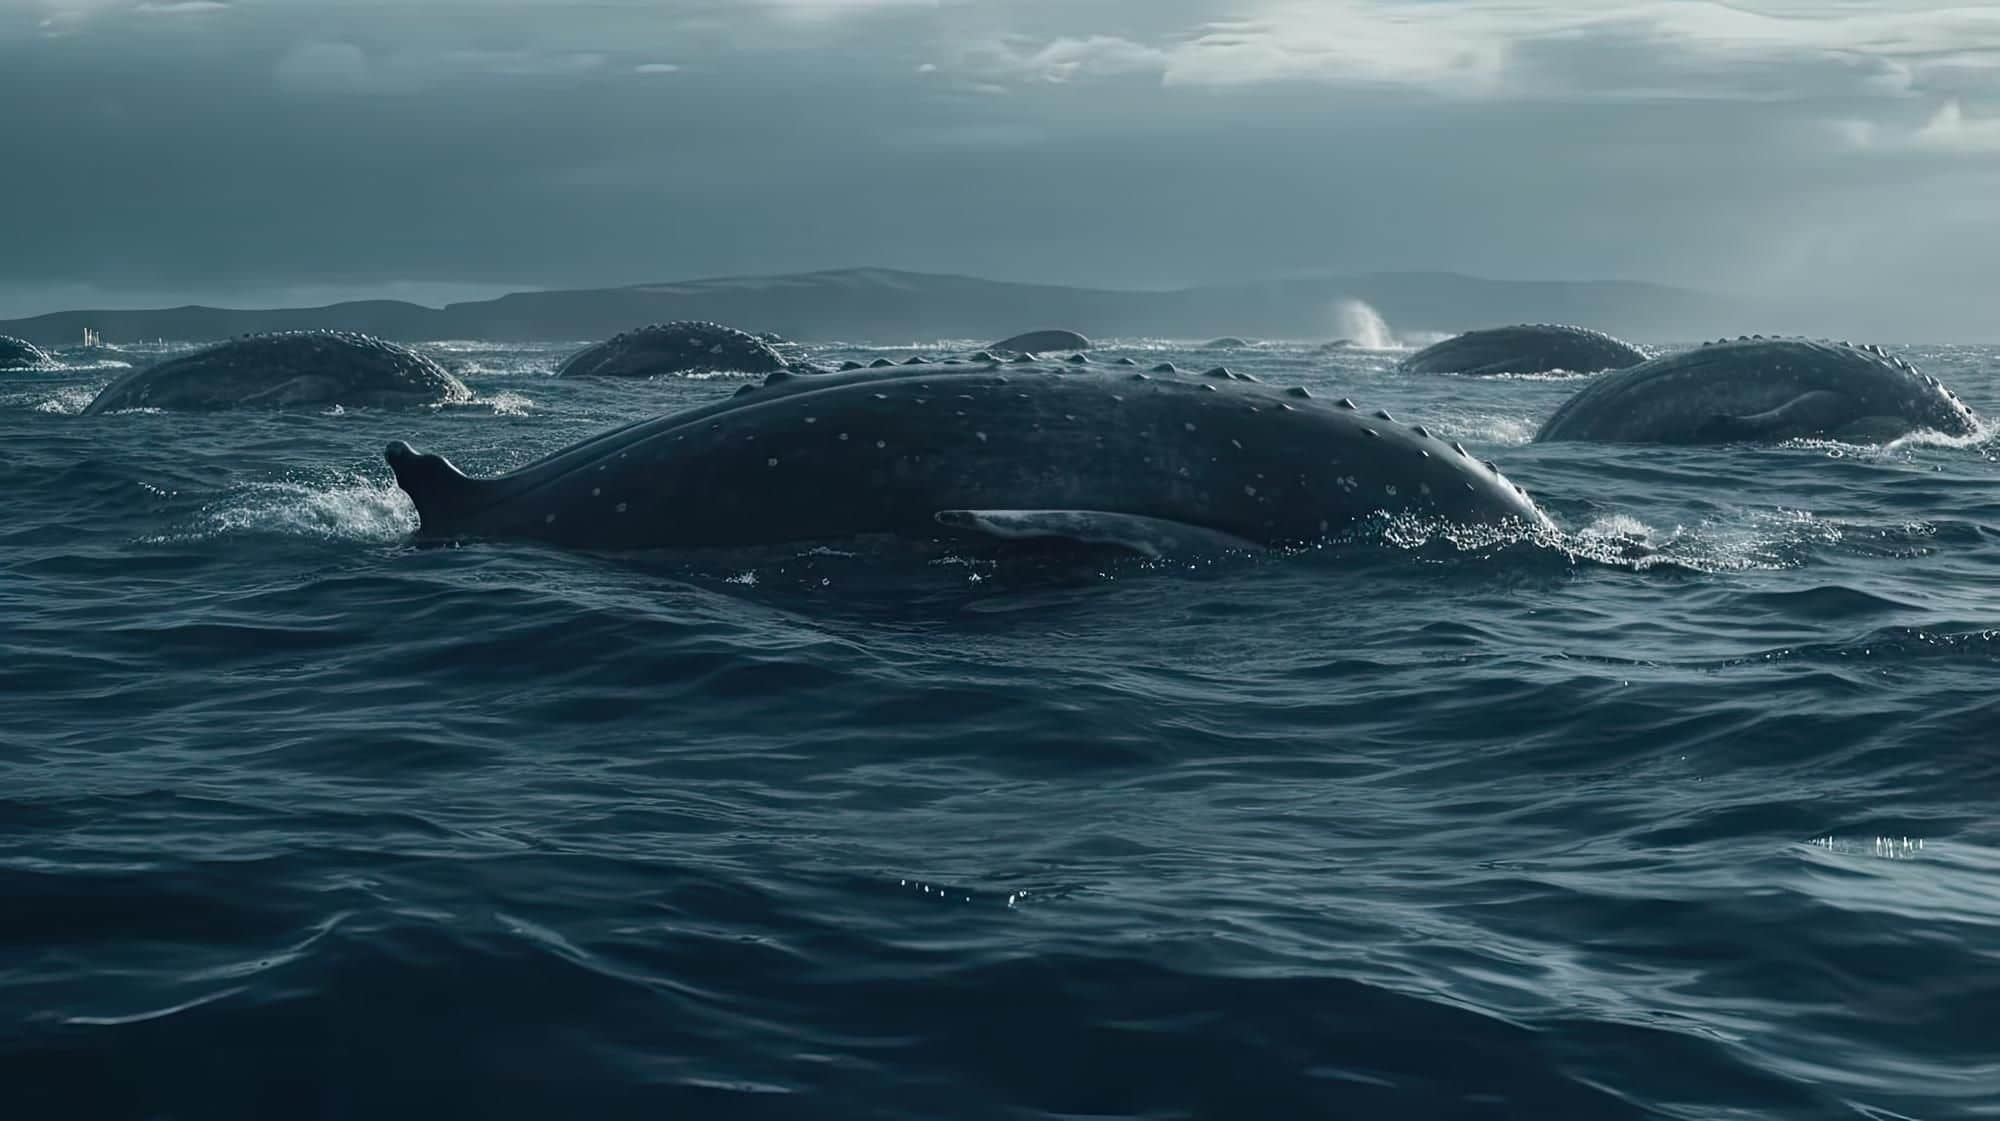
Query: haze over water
(1685, 813)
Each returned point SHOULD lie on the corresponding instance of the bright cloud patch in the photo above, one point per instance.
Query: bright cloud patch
(1063, 60)
(1551, 49)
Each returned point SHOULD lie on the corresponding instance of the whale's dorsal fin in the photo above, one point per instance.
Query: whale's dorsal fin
(1149, 537)
(441, 492)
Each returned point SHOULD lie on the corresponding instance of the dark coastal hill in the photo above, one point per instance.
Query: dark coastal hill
(886, 304)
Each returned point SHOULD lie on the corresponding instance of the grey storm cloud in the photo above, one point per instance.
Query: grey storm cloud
(267, 150)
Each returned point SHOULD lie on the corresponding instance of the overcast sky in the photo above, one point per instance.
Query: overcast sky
(264, 152)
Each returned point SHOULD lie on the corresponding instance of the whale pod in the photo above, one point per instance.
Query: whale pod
(1761, 390)
(1004, 452)
(290, 369)
(1532, 348)
(683, 347)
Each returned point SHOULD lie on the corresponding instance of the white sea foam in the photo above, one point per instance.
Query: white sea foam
(351, 508)
(1745, 540)
(506, 403)
(1487, 428)
(66, 402)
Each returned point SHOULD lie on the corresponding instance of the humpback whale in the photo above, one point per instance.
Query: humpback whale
(1534, 348)
(20, 354)
(286, 370)
(684, 347)
(1034, 342)
(1758, 389)
(1226, 342)
(1094, 454)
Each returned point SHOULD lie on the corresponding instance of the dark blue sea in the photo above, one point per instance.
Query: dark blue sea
(1688, 813)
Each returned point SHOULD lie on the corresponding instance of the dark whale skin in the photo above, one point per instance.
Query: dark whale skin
(1530, 348)
(291, 369)
(20, 354)
(685, 347)
(1034, 342)
(889, 450)
(1758, 390)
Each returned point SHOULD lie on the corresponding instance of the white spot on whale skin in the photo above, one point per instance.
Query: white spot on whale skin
(881, 443)
(596, 492)
(621, 507)
(981, 435)
(771, 462)
(549, 520)
(812, 420)
(843, 435)
(1249, 490)
(1391, 491)
(1189, 427)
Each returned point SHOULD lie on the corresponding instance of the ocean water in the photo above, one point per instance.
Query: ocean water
(1689, 813)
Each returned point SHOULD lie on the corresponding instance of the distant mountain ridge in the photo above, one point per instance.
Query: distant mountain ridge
(888, 304)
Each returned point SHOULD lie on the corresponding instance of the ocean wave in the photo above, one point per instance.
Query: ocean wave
(1607, 820)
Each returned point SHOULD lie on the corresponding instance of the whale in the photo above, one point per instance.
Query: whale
(1529, 348)
(682, 347)
(1753, 389)
(1226, 342)
(995, 453)
(289, 369)
(20, 354)
(1034, 342)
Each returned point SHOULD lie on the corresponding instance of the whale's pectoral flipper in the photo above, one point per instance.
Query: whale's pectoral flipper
(1149, 537)
(440, 491)
(293, 391)
(1815, 412)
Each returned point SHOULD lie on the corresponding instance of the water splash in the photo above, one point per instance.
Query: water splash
(67, 402)
(1485, 427)
(1746, 540)
(1363, 325)
(350, 508)
(506, 403)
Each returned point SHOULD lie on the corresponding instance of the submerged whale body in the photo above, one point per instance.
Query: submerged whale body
(1034, 342)
(1227, 342)
(20, 354)
(1534, 348)
(1758, 389)
(1003, 453)
(685, 347)
(286, 370)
